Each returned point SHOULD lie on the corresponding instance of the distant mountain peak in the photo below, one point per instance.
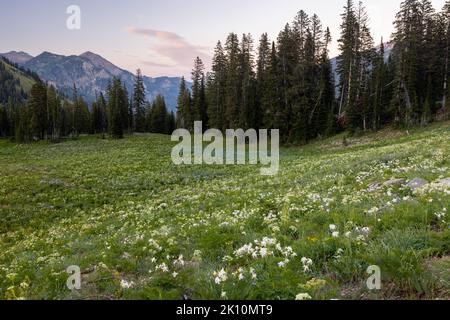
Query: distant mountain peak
(48, 53)
(91, 73)
(18, 57)
(98, 60)
(92, 55)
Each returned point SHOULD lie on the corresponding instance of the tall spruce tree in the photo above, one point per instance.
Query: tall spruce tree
(117, 109)
(233, 85)
(216, 89)
(184, 109)
(346, 59)
(264, 91)
(37, 103)
(323, 118)
(199, 108)
(249, 112)
(407, 38)
(139, 102)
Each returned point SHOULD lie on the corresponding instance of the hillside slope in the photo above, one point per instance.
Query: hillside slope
(14, 83)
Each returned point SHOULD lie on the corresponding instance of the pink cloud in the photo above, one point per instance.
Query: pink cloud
(176, 51)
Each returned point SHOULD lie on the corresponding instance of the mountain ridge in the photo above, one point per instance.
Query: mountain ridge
(91, 73)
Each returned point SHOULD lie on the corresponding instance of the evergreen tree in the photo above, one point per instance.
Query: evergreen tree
(323, 117)
(407, 38)
(288, 59)
(346, 59)
(233, 82)
(4, 123)
(159, 116)
(184, 110)
(444, 46)
(354, 65)
(301, 26)
(99, 115)
(139, 102)
(199, 108)
(249, 113)
(265, 92)
(170, 125)
(53, 114)
(216, 89)
(273, 116)
(377, 89)
(37, 103)
(117, 109)
(23, 130)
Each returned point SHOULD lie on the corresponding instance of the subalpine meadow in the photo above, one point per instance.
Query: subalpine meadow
(140, 227)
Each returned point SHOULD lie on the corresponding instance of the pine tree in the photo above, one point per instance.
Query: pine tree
(323, 118)
(273, 110)
(117, 109)
(184, 111)
(37, 104)
(301, 25)
(301, 93)
(354, 65)
(4, 123)
(407, 38)
(445, 46)
(139, 102)
(249, 114)
(216, 89)
(54, 114)
(346, 59)
(427, 62)
(317, 38)
(170, 125)
(159, 122)
(264, 91)
(23, 130)
(359, 115)
(233, 85)
(288, 60)
(99, 115)
(199, 108)
(377, 89)
(126, 109)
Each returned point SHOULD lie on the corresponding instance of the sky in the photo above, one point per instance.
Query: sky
(162, 37)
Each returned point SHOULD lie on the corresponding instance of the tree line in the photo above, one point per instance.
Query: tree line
(289, 84)
(47, 115)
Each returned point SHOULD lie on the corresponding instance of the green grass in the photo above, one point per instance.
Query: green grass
(123, 212)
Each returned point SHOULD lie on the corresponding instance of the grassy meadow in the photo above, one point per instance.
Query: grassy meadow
(140, 227)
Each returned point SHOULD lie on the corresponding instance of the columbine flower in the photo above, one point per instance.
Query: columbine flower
(163, 267)
(253, 273)
(263, 252)
(220, 276)
(307, 263)
(333, 227)
(335, 234)
(126, 285)
(175, 274)
(179, 261)
(303, 296)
